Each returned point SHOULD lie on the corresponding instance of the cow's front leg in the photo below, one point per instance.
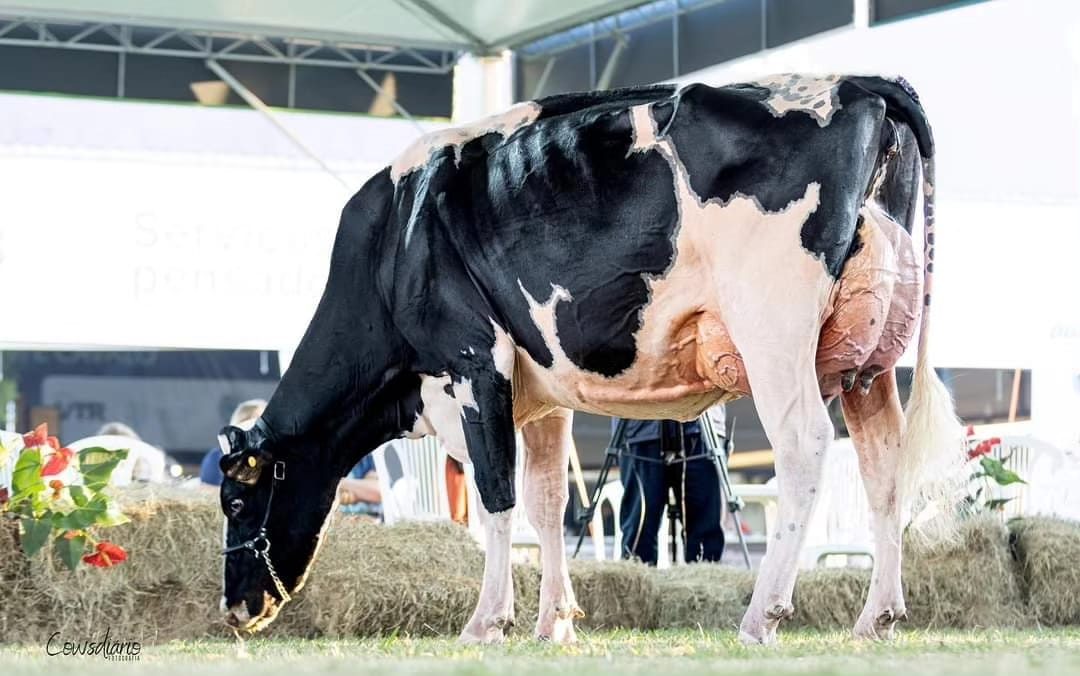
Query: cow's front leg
(547, 452)
(486, 401)
(494, 614)
(875, 421)
(797, 423)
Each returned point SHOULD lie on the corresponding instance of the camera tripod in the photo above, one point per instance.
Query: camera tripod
(717, 448)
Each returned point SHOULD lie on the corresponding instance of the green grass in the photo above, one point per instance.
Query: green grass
(668, 653)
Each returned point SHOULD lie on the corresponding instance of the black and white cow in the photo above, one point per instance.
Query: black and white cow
(641, 253)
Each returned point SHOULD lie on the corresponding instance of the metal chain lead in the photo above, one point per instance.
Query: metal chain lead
(264, 554)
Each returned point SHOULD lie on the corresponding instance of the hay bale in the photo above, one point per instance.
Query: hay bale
(829, 598)
(971, 583)
(371, 580)
(1047, 551)
(615, 594)
(705, 595)
(167, 590)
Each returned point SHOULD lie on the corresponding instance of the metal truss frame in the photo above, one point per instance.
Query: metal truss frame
(121, 38)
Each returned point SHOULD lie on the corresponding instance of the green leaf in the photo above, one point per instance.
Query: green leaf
(79, 518)
(111, 517)
(26, 479)
(35, 534)
(97, 465)
(997, 503)
(79, 495)
(997, 471)
(70, 551)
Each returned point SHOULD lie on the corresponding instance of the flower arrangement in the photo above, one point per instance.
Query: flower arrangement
(58, 495)
(991, 471)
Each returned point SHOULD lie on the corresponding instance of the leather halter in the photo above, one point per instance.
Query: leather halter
(261, 537)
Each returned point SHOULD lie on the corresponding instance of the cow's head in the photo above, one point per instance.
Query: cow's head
(277, 503)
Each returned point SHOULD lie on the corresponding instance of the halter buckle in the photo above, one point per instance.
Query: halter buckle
(279, 470)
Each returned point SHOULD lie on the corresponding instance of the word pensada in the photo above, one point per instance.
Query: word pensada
(106, 648)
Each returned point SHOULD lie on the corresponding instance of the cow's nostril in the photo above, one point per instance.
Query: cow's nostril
(237, 616)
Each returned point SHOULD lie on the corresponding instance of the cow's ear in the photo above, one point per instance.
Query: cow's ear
(232, 439)
(244, 467)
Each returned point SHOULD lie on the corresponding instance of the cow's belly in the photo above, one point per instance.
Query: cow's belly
(693, 367)
(686, 360)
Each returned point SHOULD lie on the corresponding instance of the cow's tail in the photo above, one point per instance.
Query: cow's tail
(931, 472)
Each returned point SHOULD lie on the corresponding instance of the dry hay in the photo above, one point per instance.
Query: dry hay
(413, 578)
(705, 595)
(615, 594)
(1048, 558)
(829, 598)
(424, 579)
(169, 588)
(971, 583)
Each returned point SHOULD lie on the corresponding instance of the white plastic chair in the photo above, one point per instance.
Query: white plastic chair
(147, 459)
(419, 494)
(1051, 479)
(13, 443)
(764, 496)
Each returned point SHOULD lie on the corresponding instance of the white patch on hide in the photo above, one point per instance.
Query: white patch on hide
(644, 127)
(502, 352)
(815, 96)
(441, 417)
(464, 395)
(504, 123)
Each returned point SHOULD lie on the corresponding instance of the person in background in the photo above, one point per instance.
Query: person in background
(646, 484)
(358, 493)
(243, 417)
(145, 463)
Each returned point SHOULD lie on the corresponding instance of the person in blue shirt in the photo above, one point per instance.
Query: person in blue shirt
(358, 493)
(646, 485)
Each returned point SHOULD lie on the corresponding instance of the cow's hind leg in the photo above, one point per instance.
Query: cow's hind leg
(547, 446)
(875, 422)
(797, 423)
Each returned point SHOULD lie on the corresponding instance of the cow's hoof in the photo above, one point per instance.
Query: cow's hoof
(557, 624)
(763, 631)
(488, 632)
(879, 628)
(764, 637)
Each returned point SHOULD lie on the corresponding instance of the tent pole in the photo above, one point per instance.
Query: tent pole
(255, 102)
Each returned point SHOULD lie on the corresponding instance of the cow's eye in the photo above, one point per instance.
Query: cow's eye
(235, 505)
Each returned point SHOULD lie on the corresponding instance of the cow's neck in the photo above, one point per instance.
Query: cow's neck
(345, 392)
(348, 387)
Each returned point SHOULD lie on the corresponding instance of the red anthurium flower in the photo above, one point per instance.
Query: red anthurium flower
(54, 443)
(983, 448)
(58, 462)
(39, 437)
(107, 555)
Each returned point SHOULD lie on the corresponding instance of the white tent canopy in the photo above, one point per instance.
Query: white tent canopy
(474, 25)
